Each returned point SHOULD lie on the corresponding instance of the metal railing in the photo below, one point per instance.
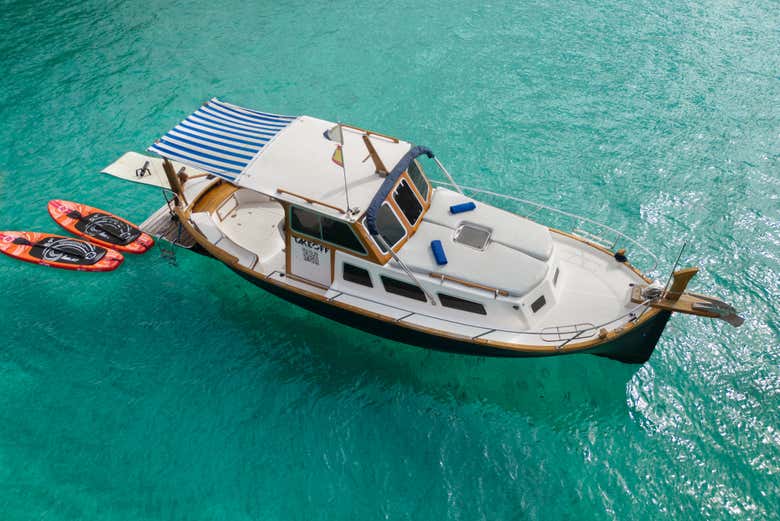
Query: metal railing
(632, 315)
(617, 238)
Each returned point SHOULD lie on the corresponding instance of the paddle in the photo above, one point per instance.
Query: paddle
(24, 242)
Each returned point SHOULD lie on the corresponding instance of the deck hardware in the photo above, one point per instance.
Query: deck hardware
(143, 171)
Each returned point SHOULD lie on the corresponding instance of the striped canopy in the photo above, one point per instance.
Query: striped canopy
(220, 138)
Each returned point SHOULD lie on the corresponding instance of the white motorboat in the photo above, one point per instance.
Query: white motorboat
(346, 223)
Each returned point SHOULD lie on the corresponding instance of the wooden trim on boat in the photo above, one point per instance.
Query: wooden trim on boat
(491, 289)
(211, 199)
(287, 241)
(306, 281)
(330, 245)
(410, 229)
(232, 262)
(426, 200)
(371, 132)
(310, 200)
(379, 165)
(680, 282)
(174, 182)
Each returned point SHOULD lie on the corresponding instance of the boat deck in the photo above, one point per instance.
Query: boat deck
(162, 224)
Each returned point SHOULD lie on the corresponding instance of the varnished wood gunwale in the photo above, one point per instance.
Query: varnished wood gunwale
(572, 347)
(214, 196)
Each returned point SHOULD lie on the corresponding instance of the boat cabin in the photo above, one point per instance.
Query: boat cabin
(313, 201)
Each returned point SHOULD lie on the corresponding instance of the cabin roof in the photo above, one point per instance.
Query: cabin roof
(300, 161)
(268, 152)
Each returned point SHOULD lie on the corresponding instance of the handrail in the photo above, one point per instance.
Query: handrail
(491, 289)
(371, 132)
(452, 181)
(310, 200)
(540, 206)
(631, 313)
(396, 258)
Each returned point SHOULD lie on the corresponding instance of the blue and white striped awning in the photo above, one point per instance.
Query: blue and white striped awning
(220, 138)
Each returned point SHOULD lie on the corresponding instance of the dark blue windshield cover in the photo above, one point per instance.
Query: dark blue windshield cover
(390, 180)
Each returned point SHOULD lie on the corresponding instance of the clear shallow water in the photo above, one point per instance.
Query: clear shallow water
(182, 392)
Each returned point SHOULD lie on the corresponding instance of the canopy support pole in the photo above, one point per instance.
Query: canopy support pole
(438, 163)
(396, 258)
(380, 167)
(174, 181)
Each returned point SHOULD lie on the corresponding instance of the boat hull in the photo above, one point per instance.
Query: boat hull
(634, 346)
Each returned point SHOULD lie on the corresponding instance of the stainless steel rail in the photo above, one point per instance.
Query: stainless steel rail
(577, 333)
(578, 219)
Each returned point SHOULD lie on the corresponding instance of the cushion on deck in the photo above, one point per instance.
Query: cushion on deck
(462, 207)
(508, 229)
(438, 252)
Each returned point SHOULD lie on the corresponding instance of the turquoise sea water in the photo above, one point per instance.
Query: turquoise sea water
(181, 392)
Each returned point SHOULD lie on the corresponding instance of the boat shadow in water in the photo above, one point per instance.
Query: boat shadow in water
(560, 391)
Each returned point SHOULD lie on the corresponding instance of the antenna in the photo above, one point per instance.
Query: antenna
(337, 134)
(674, 268)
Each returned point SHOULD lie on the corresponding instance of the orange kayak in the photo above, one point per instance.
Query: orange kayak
(99, 226)
(58, 251)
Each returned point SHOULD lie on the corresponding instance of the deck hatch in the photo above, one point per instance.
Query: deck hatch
(472, 235)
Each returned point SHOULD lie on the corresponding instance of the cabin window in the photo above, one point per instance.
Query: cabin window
(326, 229)
(357, 275)
(415, 172)
(448, 301)
(397, 287)
(407, 201)
(538, 304)
(341, 234)
(388, 225)
(304, 221)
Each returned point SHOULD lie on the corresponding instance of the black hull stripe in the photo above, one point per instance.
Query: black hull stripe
(634, 347)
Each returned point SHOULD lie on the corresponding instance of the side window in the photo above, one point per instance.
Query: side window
(341, 234)
(397, 287)
(407, 202)
(357, 275)
(448, 301)
(415, 172)
(388, 225)
(304, 221)
(325, 228)
(538, 304)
